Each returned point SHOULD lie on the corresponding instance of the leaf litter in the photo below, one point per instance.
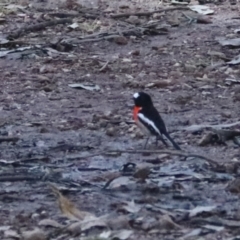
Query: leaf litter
(54, 135)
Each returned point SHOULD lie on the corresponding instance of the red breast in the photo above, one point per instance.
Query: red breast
(135, 113)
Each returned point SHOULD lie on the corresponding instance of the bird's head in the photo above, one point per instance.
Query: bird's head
(142, 99)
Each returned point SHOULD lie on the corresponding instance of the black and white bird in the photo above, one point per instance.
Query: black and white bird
(149, 120)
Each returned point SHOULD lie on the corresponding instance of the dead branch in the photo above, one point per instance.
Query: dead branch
(148, 13)
(9, 139)
(134, 31)
(18, 178)
(37, 27)
(200, 127)
(170, 152)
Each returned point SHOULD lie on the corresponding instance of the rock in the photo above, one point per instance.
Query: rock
(133, 20)
(121, 40)
(111, 131)
(236, 97)
(92, 126)
(226, 114)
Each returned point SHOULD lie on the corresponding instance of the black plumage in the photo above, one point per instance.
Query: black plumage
(149, 117)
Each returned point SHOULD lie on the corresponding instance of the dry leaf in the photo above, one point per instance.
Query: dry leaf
(89, 87)
(74, 25)
(68, 207)
(119, 182)
(167, 223)
(121, 40)
(235, 42)
(11, 234)
(142, 173)
(93, 222)
(122, 234)
(118, 223)
(235, 60)
(89, 223)
(50, 223)
(36, 234)
(199, 209)
(201, 9)
(131, 207)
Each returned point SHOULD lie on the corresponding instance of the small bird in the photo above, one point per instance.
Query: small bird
(149, 120)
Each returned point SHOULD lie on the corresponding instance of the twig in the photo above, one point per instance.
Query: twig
(37, 27)
(171, 152)
(104, 67)
(18, 178)
(190, 19)
(135, 31)
(148, 13)
(9, 139)
(194, 128)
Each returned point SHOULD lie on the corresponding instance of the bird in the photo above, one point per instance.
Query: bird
(149, 120)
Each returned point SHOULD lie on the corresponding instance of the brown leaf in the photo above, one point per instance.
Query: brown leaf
(68, 208)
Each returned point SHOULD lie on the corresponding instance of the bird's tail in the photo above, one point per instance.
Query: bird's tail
(172, 141)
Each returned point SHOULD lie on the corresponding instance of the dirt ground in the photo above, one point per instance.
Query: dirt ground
(66, 121)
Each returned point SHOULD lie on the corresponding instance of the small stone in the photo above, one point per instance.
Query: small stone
(226, 114)
(103, 123)
(162, 156)
(189, 67)
(133, 20)
(108, 114)
(124, 6)
(236, 89)
(121, 40)
(157, 15)
(91, 126)
(132, 129)
(111, 131)
(177, 65)
(134, 53)
(35, 216)
(139, 134)
(133, 135)
(142, 173)
(117, 117)
(236, 97)
(228, 71)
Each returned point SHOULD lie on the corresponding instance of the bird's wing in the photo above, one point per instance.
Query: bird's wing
(149, 124)
(153, 118)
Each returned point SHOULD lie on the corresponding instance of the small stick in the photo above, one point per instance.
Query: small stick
(171, 152)
(37, 27)
(104, 67)
(9, 139)
(204, 126)
(148, 13)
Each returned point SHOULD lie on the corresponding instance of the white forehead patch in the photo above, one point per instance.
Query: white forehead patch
(136, 95)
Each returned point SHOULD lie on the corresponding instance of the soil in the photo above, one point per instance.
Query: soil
(52, 132)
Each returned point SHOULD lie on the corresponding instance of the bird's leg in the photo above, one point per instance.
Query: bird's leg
(146, 143)
(159, 137)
